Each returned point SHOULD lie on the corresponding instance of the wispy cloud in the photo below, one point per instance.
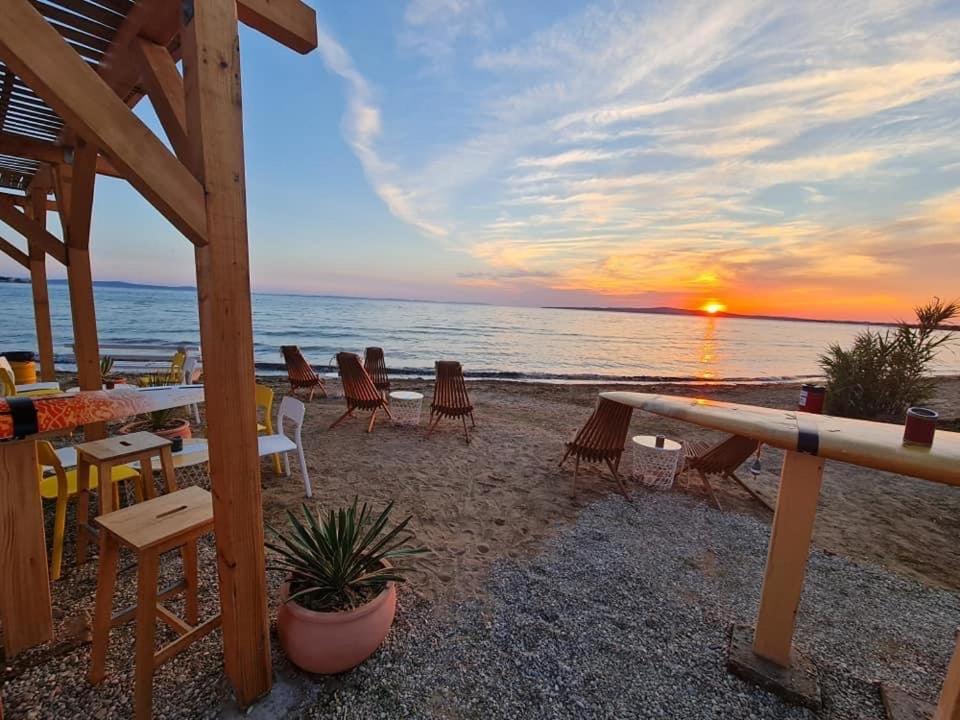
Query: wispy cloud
(626, 148)
(361, 126)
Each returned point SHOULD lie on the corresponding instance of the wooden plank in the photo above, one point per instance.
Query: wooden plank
(45, 151)
(80, 277)
(23, 201)
(787, 556)
(861, 442)
(165, 90)
(32, 230)
(211, 61)
(25, 592)
(38, 285)
(289, 22)
(15, 253)
(948, 706)
(34, 50)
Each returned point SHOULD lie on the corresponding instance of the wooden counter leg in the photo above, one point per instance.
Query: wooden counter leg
(83, 508)
(948, 708)
(787, 556)
(25, 609)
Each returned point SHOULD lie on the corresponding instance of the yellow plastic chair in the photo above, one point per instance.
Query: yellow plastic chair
(8, 384)
(173, 376)
(61, 486)
(264, 399)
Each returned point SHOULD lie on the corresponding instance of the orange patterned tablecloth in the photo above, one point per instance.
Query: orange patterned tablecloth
(62, 412)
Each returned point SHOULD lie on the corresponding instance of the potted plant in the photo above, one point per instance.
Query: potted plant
(165, 423)
(339, 598)
(106, 375)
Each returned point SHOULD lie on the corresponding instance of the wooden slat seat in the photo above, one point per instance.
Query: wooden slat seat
(602, 439)
(450, 397)
(358, 390)
(299, 372)
(722, 459)
(376, 366)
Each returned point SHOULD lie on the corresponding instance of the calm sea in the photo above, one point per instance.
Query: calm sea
(490, 341)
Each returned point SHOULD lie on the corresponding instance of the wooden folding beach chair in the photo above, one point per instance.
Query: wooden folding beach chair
(722, 459)
(358, 390)
(450, 398)
(376, 367)
(299, 372)
(603, 438)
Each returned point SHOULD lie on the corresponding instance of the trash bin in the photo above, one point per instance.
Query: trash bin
(24, 367)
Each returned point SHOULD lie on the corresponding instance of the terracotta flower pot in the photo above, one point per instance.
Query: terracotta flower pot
(334, 642)
(176, 428)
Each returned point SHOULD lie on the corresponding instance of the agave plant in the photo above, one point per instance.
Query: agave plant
(337, 562)
(106, 366)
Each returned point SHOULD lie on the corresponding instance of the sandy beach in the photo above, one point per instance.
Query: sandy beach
(504, 496)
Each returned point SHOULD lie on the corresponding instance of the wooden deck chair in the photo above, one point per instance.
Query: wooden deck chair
(722, 459)
(299, 372)
(376, 368)
(450, 398)
(603, 438)
(358, 390)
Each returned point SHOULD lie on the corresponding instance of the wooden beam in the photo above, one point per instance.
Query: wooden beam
(787, 556)
(80, 279)
(25, 608)
(81, 199)
(289, 22)
(36, 52)
(23, 201)
(15, 253)
(211, 62)
(44, 151)
(62, 183)
(165, 90)
(38, 285)
(32, 230)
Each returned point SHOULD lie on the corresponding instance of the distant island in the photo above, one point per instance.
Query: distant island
(704, 313)
(5, 279)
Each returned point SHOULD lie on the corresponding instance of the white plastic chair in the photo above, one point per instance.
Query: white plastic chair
(189, 370)
(293, 410)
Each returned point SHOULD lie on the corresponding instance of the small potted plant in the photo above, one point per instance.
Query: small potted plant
(110, 381)
(340, 597)
(166, 423)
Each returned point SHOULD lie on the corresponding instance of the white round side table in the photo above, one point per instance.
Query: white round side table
(655, 466)
(405, 406)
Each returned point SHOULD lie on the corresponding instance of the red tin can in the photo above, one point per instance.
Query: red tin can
(811, 398)
(920, 426)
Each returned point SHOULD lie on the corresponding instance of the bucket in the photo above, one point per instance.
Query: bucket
(24, 368)
(811, 398)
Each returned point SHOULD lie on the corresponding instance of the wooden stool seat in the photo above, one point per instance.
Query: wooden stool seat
(105, 454)
(150, 528)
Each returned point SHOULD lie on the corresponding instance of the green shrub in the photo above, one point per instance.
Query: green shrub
(884, 373)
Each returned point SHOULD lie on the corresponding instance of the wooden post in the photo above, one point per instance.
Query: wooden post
(211, 64)
(25, 600)
(787, 556)
(77, 204)
(948, 707)
(37, 201)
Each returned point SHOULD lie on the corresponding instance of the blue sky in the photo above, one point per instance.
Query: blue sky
(781, 157)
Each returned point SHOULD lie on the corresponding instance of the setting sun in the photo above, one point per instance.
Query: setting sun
(713, 307)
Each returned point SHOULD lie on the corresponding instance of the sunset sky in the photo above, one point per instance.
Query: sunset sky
(792, 158)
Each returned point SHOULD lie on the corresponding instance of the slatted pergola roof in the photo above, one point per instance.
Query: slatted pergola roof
(88, 26)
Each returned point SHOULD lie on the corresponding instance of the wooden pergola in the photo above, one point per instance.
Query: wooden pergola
(71, 72)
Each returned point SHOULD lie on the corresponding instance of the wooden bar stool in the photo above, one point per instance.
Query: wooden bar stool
(149, 529)
(104, 454)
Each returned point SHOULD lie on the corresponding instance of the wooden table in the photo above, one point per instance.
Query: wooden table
(808, 440)
(25, 607)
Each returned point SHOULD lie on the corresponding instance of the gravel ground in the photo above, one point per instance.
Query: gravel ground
(626, 616)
